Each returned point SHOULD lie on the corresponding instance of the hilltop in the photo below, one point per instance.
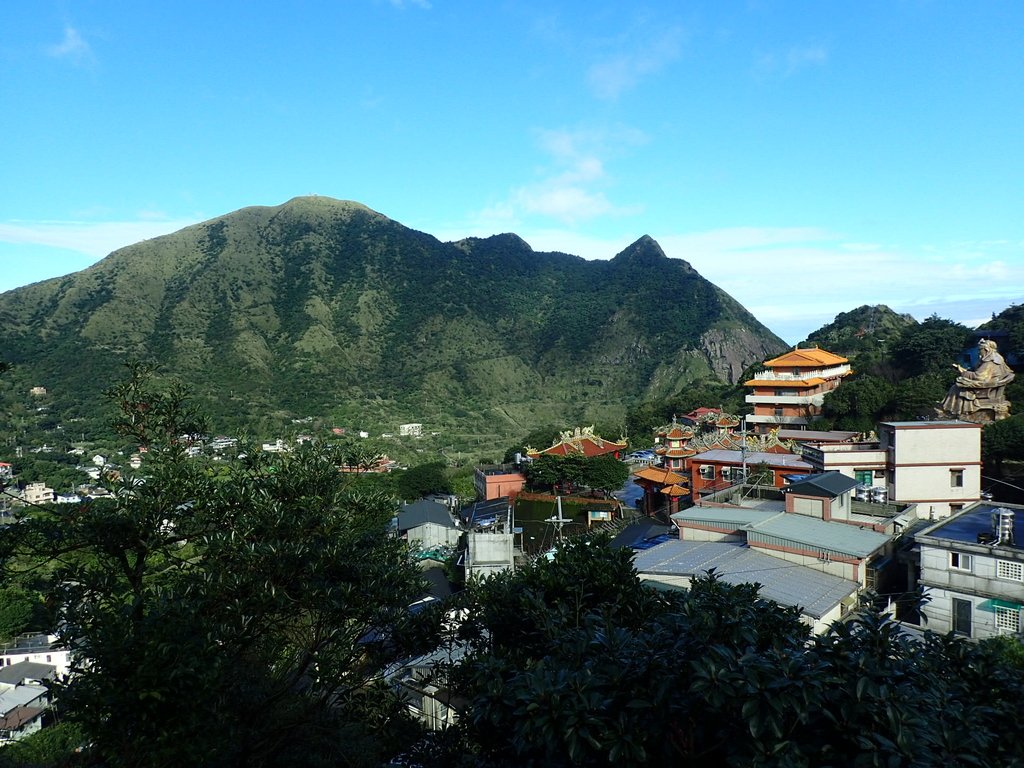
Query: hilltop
(326, 307)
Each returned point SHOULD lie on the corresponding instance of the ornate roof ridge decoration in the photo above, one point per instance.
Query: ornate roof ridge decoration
(576, 438)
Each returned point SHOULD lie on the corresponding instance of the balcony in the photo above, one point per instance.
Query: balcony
(786, 399)
(821, 373)
(797, 420)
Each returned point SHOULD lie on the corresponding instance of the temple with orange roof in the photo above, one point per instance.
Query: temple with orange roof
(792, 388)
(658, 482)
(583, 441)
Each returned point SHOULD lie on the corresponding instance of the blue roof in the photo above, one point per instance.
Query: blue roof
(965, 526)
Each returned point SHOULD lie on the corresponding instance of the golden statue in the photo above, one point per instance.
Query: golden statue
(979, 395)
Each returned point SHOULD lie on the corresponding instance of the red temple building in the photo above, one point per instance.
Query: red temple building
(581, 440)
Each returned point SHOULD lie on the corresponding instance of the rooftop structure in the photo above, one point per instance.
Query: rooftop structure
(821, 597)
(581, 440)
(791, 389)
(972, 568)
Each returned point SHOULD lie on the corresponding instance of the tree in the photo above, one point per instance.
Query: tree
(930, 347)
(1003, 440)
(234, 621)
(422, 480)
(576, 662)
(605, 473)
(860, 403)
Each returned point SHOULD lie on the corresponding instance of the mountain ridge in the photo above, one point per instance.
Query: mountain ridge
(326, 304)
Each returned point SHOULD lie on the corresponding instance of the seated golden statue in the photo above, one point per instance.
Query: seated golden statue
(979, 395)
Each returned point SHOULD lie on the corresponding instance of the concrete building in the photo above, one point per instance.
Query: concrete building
(410, 430)
(934, 464)
(791, 389)
(37, 493)
(972, 568)
(498, 480)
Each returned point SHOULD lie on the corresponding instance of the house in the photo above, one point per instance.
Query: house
(21, 710)
(410, 430)
(791, 389)
(662, 487)
(427, 524)
(934, 464)
(813, 526)
(821, 597)
(6, 471)
(972, 568)
(38, 649)
(498, 480)
(713, 470)
(581, 440)
(37, 493)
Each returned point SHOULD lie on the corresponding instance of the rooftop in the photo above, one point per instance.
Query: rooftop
(826, 484)
(813, 591)
(725, 456)
(819, 534)
(977, 519)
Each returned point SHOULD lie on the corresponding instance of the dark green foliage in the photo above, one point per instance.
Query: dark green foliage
(20, 611)
(604, 473)
(860, 403)
(1003, 441)
(52, 747)
(422, 480)
(576, 662)
(931, 347)
(241, 619)
(643, 419)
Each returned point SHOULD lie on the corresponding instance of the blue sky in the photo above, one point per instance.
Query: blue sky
(806, 157)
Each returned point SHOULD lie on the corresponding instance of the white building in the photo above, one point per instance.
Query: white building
(972, 566)
(933, 464)
(410, 430)
(37, 493)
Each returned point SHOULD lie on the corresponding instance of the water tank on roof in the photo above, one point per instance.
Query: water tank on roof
(1002, 525)
(879, 495)
(863, 493)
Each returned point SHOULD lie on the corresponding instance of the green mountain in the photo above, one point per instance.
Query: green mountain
(866, 329)
(327, 308)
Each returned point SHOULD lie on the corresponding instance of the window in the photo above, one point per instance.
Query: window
(863, 476)
(962, 616)
(958, 561)
(954, 508)
(956, 478)
(778, 411)
(1008, 569)
(1007, 619)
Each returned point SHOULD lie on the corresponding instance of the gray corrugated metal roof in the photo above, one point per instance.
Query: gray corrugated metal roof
(725, 515)
(26, 670)
(790, 460)
(839, 537)
(422, 512)
(813, 591)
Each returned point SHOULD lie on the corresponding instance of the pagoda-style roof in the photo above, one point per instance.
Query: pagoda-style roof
(581, 440)
(806, 358)
(675, 490)
(659, 475)
(676, 453)
(788, 383)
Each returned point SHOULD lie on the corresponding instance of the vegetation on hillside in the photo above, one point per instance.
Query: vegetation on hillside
(327, 309)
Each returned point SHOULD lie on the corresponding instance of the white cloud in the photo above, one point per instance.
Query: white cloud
(95, 239)
(648, 52)
(571, 186)
(73, 47)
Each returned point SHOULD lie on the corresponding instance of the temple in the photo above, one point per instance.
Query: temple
(581, 440)
(791, 389)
